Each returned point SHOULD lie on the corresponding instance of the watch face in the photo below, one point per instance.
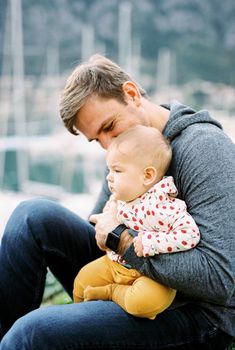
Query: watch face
(113, 237)
(112, 241)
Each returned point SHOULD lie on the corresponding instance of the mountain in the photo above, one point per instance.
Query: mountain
(199, 34)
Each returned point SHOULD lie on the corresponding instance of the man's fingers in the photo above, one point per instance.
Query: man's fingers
(94, 218)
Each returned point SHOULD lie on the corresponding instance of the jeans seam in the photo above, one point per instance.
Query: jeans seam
(40, 277)
(60, 254)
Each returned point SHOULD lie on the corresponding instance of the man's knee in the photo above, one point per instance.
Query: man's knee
(31, 210)
(37, 209)
(27, 215)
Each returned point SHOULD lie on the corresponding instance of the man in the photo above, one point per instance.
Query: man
(100, 101)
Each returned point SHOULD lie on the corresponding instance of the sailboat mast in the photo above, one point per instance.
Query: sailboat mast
(18, 90)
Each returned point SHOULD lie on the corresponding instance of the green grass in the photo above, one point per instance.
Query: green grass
(54, 292)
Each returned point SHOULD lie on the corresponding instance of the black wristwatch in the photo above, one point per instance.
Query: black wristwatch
(113, 237)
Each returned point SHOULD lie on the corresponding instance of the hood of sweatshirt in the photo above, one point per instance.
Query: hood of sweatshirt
(182, 116)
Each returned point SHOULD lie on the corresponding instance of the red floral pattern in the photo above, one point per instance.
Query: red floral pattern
(163, 220)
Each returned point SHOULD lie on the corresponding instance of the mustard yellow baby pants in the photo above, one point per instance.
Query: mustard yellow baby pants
(104, 279)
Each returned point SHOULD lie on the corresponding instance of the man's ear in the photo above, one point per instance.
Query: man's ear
(131, 92)
(150, 175)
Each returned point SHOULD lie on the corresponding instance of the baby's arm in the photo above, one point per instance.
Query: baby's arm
(185, 235)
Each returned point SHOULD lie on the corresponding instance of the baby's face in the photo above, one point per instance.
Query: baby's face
(125, 178)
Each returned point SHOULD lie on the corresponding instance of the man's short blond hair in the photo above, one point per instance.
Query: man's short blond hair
(99, 76)
(145, 145)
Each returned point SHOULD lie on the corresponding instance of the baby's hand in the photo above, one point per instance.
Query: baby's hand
(138, 247)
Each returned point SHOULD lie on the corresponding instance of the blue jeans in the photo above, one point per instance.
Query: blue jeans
(41, 234)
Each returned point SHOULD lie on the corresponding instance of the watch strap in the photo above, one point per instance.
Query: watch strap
(119, 229)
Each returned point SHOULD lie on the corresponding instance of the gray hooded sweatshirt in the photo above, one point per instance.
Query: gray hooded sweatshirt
(203, 167)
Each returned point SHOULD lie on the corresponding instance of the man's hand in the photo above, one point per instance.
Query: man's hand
(110, 202)
(105, 223)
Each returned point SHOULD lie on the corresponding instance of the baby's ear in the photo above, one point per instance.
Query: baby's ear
(150, 175)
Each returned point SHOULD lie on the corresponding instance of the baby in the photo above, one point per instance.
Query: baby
(138, 160)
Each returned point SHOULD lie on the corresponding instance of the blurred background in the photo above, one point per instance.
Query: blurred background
(176, 49)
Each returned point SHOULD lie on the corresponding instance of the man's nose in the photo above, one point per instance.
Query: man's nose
(105, 141)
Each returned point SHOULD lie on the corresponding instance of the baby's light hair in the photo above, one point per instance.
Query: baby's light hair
(145, 145)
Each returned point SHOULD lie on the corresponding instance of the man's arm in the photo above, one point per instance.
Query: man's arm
(126, 241)
(103, 196)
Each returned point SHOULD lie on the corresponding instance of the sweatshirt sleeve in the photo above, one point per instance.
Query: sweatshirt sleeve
(172, 228)
(102, 197)
(203, 167)
(175, 240)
